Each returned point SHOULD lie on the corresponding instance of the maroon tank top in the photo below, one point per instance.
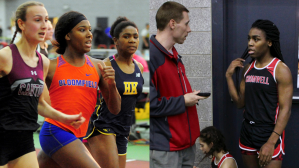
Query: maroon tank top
(19, 94)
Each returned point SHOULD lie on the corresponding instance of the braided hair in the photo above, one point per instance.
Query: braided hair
(212, 135)
(21, 14)
(272, 33)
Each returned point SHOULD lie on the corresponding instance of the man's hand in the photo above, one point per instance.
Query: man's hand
(107, 72)
(192, 98)
(266, 153)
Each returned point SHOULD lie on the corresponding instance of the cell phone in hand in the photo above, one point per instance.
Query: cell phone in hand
(203, 94)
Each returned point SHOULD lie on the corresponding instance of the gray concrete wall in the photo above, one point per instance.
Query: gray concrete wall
(135, 10)
(197, 57)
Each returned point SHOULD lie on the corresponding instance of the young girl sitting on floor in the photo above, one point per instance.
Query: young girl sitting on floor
(212, 144)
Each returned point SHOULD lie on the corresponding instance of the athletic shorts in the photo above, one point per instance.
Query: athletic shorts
(52, 138)
(14, 144)
(254, 136)
(121, 140)
(276, 157)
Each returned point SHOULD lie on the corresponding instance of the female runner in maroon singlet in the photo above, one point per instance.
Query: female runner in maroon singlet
(22, 72)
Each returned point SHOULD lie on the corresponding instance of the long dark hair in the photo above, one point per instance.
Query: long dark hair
(211, 134)
(272, 33)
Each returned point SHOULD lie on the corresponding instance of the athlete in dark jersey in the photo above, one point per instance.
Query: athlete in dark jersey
(112, 131)
(266, 93)
(262, 110)
(129, 87)
(261, 89)
(22, 72)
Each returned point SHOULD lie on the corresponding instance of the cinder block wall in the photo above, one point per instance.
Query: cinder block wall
(197, 57)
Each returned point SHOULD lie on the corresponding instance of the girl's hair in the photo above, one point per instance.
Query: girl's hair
(119, 25)
(62, 28)
(211, 134)
(272, 33)
(21, 14)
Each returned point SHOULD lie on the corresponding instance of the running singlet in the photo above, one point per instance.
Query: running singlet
(19, 94)
(225, 156)
(261, 94)
(129, 87)
(74, 90)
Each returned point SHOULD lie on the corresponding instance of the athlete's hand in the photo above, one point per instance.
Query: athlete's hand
(235, 63)
(192, 98)
(74, 120)
(107, 72)
(266, 153)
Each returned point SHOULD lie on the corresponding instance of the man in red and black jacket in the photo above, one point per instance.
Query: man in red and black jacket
(174, 125)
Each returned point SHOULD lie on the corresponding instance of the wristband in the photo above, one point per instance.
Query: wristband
(276, 133)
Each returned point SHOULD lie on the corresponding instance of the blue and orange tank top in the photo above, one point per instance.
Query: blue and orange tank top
(19, 94)
(74, 90)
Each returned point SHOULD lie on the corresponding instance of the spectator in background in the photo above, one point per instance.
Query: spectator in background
(145, 38)
(110, 40)
(99, 36)
(1, 31)
(42, 47)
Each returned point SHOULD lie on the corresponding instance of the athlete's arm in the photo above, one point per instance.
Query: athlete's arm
(51, 72)
(238, 98)
(45, 110)
(48, 80)
(229, 163)
(5, 61)
(108, 86)
(285, 93)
